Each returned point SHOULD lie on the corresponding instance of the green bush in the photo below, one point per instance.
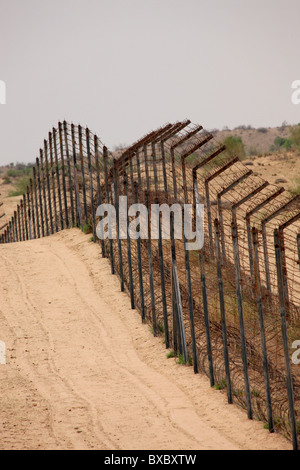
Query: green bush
(19, 171)
(21, 186)
(293, 142)
(87, 228)
(6, 180)
(234, 147)
(281, 143)
(295, 136)
(12, 173)
(221, 385)
(20, 176)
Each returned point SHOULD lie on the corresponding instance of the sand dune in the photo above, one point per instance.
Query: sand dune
(83, 372)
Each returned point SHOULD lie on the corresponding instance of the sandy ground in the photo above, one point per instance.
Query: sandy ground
(284, 167)
(253, 139)
(83, 372)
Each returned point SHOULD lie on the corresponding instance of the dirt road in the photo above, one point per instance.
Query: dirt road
(82, 371)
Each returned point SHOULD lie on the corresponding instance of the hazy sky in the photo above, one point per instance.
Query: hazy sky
(124, 67)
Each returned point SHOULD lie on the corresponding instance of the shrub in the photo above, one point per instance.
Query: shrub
(20, 186)
(6, 180)
(234, 147)
(295, 188)
(12, 173)
(170, 355)
(221, 385)
(295, 137)
(19, 171)
(87, 228)
(281, 143)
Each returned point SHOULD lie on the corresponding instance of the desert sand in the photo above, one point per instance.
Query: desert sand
(83, 372)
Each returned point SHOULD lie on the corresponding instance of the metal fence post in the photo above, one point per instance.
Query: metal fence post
(140, 267)
(19, 223)
(298, 248)
(250, 249)
(29, 214)
(83, 175)
(77, 194)
(111, 249)
(69, 172)
(266, 257)
(285, 340)
(40, 196)
(87, 133)
(16, 225)
(154, 165)
(48, 186)
(241, 319)
(174, 172)
(22, 221)
(99, 201)
(32, 208)
(196, 203)
(163, 156)
(191, 304)
(179, 322)
(163, 284)
(259, 303)
(222, 311)
(117, 206)
(209, 219)
(62, 224)
(131, 285)
(44, 191)
(145, 153)
(63, 173)
(138, 168)
(25, 218)
(150, 261)
(284, 271)
(53, 181)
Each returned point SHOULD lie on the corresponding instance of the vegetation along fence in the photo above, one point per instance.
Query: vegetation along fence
(231, 309)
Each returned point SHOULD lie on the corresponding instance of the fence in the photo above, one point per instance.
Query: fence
(2, 226)
(230, 309)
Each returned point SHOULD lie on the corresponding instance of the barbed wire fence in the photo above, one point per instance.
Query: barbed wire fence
(2, 214)
(231, 309)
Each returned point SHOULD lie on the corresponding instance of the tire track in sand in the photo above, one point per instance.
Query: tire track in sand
(57, 383)
(85, 350)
